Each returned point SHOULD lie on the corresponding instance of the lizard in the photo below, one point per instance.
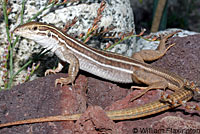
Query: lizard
(107, 65)
(110, 66)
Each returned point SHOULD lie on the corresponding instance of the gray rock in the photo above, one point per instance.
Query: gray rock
(117, 13)
(144, 44)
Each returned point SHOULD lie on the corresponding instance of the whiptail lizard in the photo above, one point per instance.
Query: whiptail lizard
(107, 65)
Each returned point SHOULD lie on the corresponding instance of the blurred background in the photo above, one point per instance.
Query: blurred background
(155, 15)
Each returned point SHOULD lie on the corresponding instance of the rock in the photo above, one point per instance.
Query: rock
(173, 124)
(144, 44)
(95, 121)
(40, 98)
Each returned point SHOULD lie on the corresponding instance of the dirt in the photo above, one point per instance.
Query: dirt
(92, 95)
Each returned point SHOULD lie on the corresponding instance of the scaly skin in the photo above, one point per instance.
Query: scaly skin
(131, 113)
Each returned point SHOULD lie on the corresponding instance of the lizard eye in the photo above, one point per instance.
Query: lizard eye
(35, 28)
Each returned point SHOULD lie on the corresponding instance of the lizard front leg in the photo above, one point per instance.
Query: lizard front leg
(72, 71)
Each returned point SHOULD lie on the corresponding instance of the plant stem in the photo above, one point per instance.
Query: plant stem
(6, 20)
(9, 40)
(22, 11)
(24, 66)
(125, 38)
(40, 12)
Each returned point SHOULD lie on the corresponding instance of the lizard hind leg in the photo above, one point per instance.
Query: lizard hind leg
(153, 81)
(156, 85)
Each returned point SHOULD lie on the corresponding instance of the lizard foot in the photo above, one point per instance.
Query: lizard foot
(64, 81)
(48, 71)
(167, 98)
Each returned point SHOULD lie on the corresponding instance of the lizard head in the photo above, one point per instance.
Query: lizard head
(28, 30)
(41, 33)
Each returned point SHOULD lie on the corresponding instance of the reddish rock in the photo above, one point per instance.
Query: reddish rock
(173, 124)
(104, 93)
(40, 98)
(95, 121)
